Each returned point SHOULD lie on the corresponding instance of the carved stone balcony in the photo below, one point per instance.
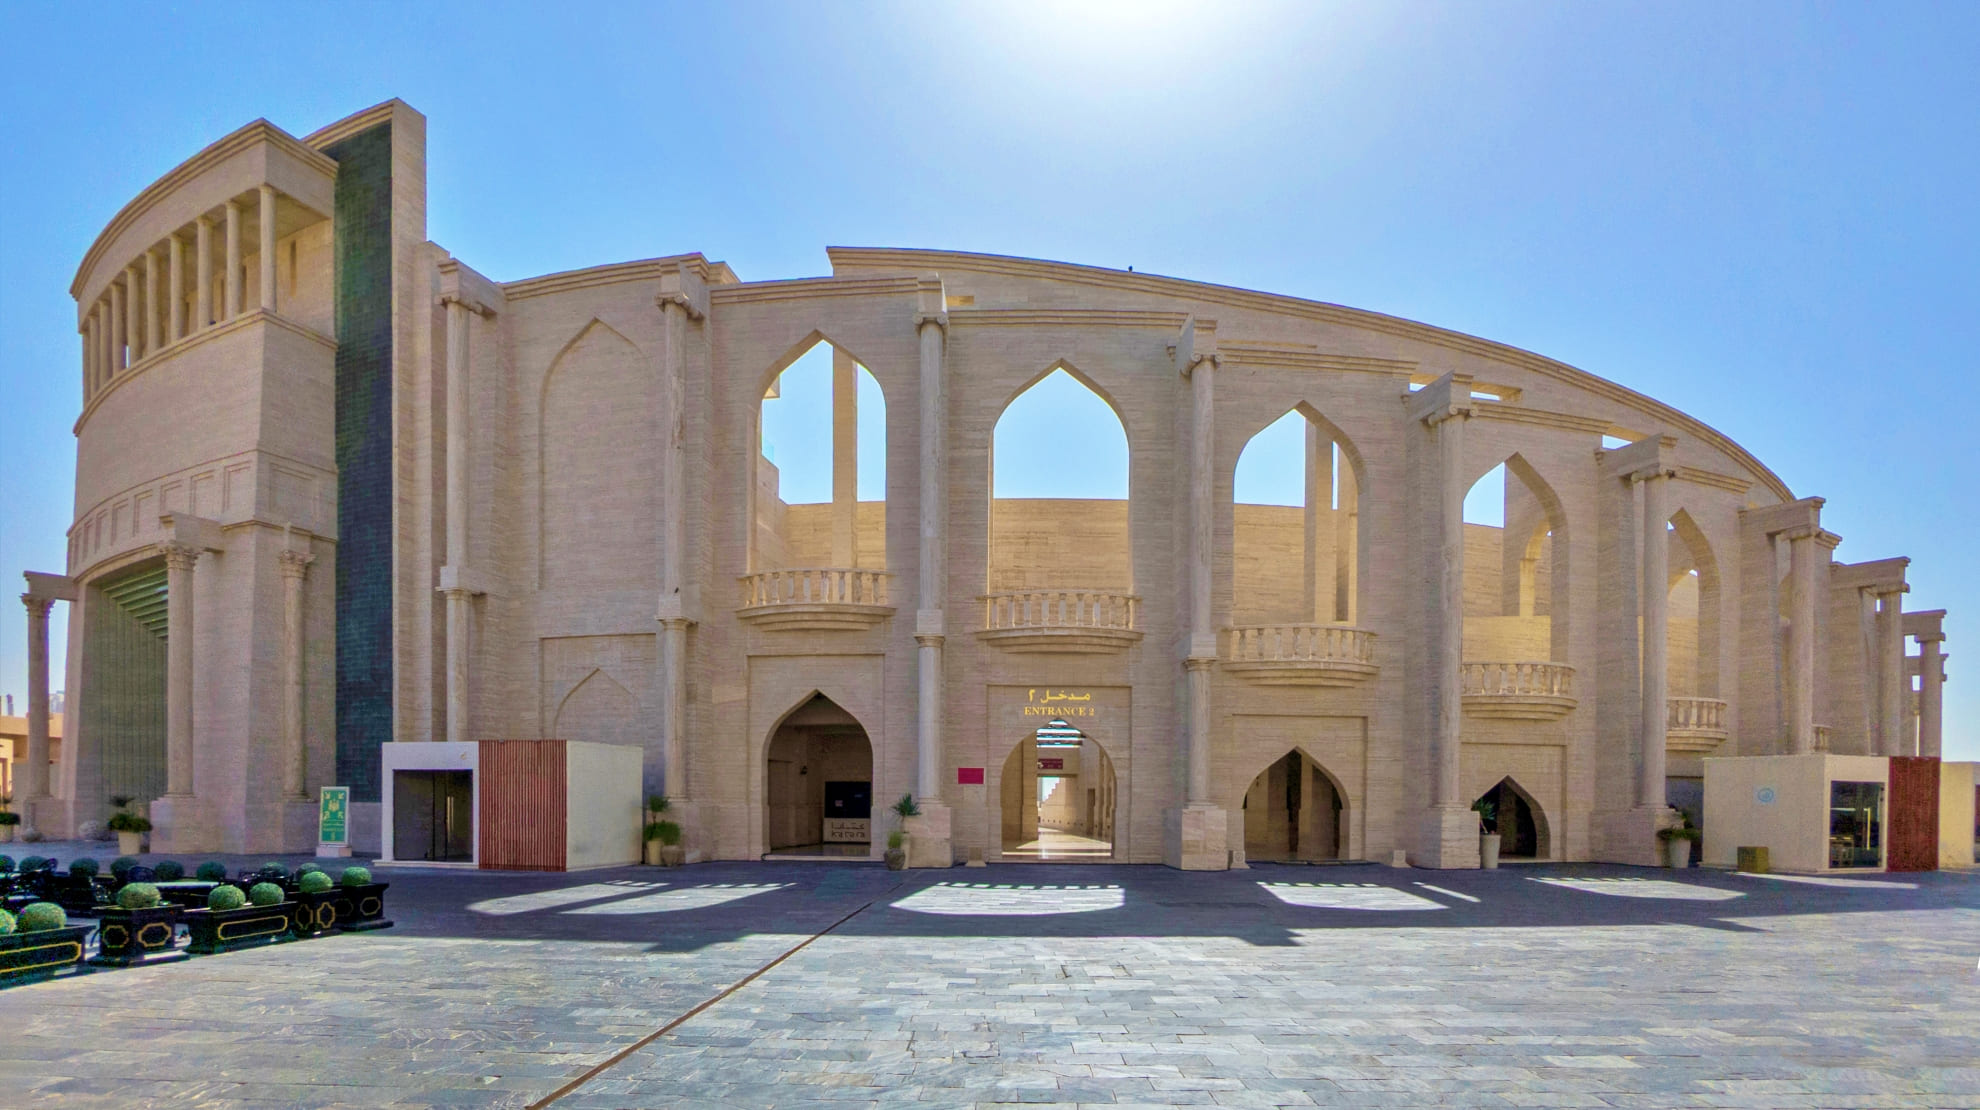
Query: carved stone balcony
(1694, 726)
(1517, 691)
(1300, 654)
(815, 599)
(1061, 622)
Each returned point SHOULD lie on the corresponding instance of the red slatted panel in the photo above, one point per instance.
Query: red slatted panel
(1914, 814)
(522, 805)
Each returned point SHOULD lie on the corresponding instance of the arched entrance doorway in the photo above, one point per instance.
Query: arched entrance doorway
(1293, 813)
(1519, 820)
(1058, 797)
(819, 783)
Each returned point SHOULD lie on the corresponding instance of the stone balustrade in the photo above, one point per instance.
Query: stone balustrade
(1694, 726)
(815, 598)
(1300, 654)
(1531, 691)
(1061, 621)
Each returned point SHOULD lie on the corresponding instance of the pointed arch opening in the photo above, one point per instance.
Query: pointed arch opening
(818, 783)
(1059, 490)
(818, 489)
(1515, 575)
(1295, 811)
(1057, 794)
(1296, 493)
(1693, 645)
(1517, 817)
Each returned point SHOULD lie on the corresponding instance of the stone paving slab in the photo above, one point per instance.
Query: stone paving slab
(1053, 986)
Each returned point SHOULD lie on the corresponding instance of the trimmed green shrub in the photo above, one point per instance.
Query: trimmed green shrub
(42, 916)
(121, 865)
(225, 897)
(212, 871)
(138, 896)
(306, 868)
(265, 894)
(6, 865)
(895, 839)
(6, 923)
(170, 870)
(667, 832)
(273, 870)
(313, 882)
(32, 863)
(85, 866)
(127, 822)
(356, 876)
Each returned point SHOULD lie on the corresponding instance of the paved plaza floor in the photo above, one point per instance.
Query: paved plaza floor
(844, 985)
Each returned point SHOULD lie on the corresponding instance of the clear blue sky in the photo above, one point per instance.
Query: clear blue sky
(1761, 213)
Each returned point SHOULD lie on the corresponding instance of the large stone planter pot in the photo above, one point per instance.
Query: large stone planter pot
(6, 834)
(1488, 852)
(652, 853)
(672, 855)
(215, 931)
(362, 908)
(129, 937)
(896, 859)
(130, 844)
(30, 957)
(1677, 853)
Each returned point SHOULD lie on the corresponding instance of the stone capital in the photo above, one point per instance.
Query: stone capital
(37, 607)
(1196, 360)
(181, 556)
(1447, 398)
(467, 302)
(295, 564)
(676, 624)
(453, 578)
(939, 319)
(678, 299)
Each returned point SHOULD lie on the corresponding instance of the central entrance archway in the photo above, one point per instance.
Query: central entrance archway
(819, 783)
(1058, 797)
(1293, 813)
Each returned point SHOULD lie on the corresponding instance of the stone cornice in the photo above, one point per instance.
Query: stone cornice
(1067, 317)
(260, 131)
(353, 124)
(1540, 418)
(617, 273)
(1310, 358)
(1713, 479)
(892, 285)
(873, 258)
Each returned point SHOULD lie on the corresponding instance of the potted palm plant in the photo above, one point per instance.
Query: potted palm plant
(897, 839)
(1489, 840)
(662, 837)
(1677, 842)
(129, 827)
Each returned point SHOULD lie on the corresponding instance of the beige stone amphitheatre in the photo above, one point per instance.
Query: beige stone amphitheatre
(335, 488)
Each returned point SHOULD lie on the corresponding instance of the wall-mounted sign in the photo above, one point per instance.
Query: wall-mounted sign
(845, 830)
(333, 815)
(1063, 704)
(969, 776)
(1051, 763)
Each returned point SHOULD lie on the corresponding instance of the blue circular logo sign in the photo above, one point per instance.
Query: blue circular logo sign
(1764, 795)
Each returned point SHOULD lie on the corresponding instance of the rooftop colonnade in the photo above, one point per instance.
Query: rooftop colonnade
(585, 540)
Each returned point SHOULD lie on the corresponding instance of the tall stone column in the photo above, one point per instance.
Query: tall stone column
(232, 308)
(117, 330)
(1196, 836)
(33, 784)
(1449, 833)
(152, 332)
(845, 460)
(1931, 694)
(266, 210)
(1891, 688)
(202, 274)
(1654, 596)
(931, 571)
(678, 309)
(458, 598)
(175, 269)
(1802, 554)
(133, 317)
(180, 559)
(295, 747)
(92, 352)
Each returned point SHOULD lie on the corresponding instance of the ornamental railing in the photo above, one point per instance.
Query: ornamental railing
(1028, 610)
(1696, 715)
(1546, 680)
(815, 586)
(1299, 643)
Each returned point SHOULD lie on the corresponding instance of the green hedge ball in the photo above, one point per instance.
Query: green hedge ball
(6, 923)
(6, 865)
(42, 916)
(265, 894)
(356, 876)
(170, 871)
(226, 896)
(315, 882)
(212, 871)
(85, 866)
(138, 896)
(119, 866)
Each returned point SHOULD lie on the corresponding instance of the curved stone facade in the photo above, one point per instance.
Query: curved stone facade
(341, 489)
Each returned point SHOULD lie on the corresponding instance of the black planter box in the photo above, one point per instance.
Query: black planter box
(362, 908)
(190, 894)
(128, 937)
(216, 931)
(312, 915)
(30, 957)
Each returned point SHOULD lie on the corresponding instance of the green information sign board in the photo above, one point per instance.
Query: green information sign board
(333, 816)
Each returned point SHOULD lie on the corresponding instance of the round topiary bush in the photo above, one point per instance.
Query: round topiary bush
(313, 882)
(170, 871)
(6, 865)
(6, 923)
(121, 866)
(32, 863)
(273, 870)
(356, 876)
(226, 896)
(138, 896)
(306, 868)
(85, 867)
(42, 916)
(212, 871)
(265, 894)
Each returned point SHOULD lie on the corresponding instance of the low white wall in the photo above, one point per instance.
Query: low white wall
(1780, 802)
(1956, 833)
(602, 805)
(437, 755)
